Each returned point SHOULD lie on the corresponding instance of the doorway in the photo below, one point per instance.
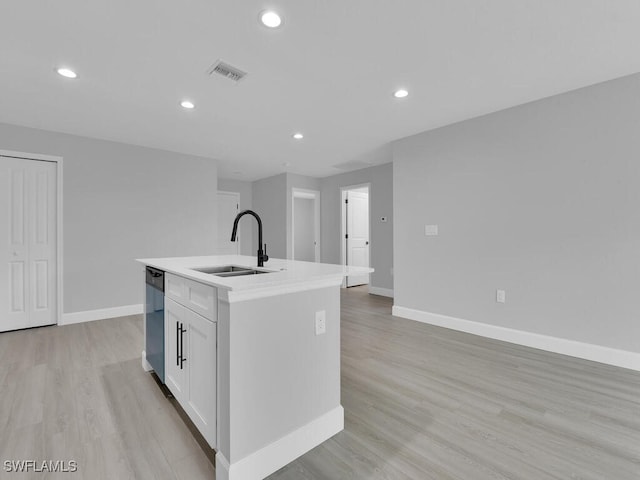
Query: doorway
(228, 208)
(305, 225)
(30, 241)
(355, 231)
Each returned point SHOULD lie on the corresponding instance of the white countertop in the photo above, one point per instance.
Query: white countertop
(284, 272)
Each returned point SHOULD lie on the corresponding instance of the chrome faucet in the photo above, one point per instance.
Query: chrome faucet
(262, 255)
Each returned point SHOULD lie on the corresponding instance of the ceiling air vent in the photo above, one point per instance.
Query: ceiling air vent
(226, 70)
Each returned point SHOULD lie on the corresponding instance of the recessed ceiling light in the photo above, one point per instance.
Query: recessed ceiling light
(298, 136)
(270, 19)
(66, 72)
(400, 93)
(187, 104)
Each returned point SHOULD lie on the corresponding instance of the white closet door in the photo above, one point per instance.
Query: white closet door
(27, 243)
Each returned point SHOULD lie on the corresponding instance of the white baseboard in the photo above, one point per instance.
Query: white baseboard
(101, 314)
(267, 460)
(587, 351)
(385, 292)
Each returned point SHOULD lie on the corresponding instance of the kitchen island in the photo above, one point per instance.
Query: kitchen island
(253, 355)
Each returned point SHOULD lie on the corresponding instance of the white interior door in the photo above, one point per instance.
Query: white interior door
(28, 274)
(228, 206)
(357, 211)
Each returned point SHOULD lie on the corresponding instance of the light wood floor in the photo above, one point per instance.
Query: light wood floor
(421, 402)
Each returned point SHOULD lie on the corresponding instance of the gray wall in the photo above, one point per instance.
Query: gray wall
(245, 189)
(381, 201)
(541, 200)
(122, 202)
(297, 181)
(304, 226)
(270, 202)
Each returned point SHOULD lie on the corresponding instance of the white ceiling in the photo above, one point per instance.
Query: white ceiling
(328, 72)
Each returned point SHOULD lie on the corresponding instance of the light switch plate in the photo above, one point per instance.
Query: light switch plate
(501, 296)
(431, 230)
(321, 322)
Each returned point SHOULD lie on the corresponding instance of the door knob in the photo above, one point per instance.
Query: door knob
(15, 254)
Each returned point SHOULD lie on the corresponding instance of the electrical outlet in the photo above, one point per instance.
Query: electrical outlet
(501, 296)
(431, 230)
(321, 322)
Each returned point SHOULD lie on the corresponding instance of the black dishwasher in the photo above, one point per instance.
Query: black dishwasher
(154, 320)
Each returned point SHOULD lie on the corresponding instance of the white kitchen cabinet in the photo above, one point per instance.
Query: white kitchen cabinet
(200, 396)
(195, 296)
(175, 373)
(267, 408)
(190, 358)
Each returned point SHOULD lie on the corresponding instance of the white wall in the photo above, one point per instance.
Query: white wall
(541, 200)
(381, 202)
(122, 202)
(248, 246)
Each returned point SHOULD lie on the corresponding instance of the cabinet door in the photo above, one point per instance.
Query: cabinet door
(201, 370)
(175, 373)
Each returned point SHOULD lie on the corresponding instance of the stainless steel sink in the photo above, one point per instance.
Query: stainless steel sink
(239, 273)
(222, 269)
(229, 271)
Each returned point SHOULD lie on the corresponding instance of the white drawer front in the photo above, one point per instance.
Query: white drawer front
(197, 297)
(174, 287)
(201, 299)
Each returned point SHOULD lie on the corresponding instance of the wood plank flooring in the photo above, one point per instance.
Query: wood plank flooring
(421, 402)
(78, 392)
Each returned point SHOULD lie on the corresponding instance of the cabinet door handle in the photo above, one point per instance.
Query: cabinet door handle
(177, 343)
(182, 357)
